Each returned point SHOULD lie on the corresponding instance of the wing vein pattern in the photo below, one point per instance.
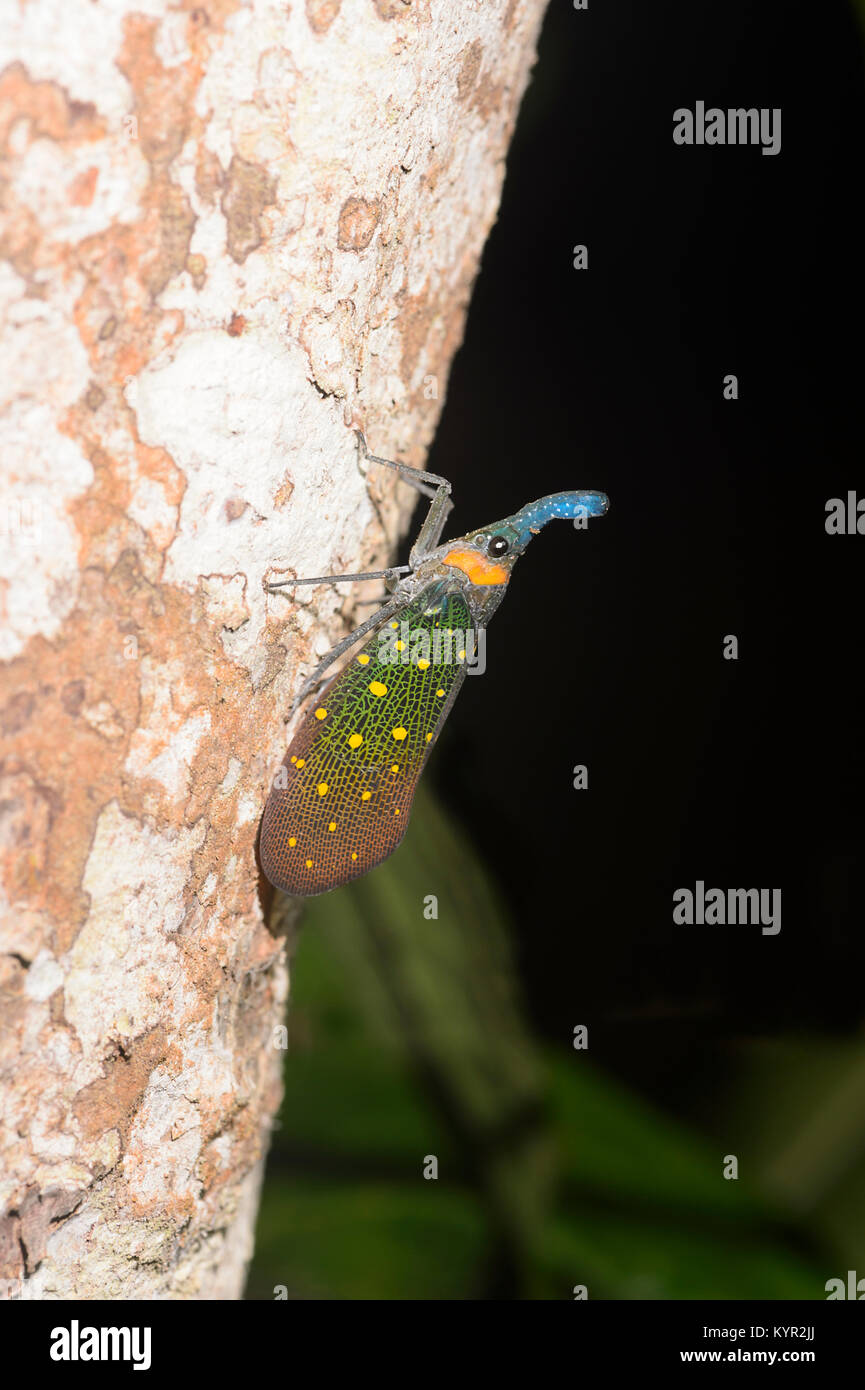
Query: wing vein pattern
(342, 801)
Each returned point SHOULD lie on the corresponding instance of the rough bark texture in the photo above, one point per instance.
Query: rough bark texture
(230, 231)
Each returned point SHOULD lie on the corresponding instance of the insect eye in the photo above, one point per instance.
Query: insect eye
(498, 546)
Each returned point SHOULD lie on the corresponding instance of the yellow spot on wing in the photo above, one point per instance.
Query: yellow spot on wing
(439, 693)
(365, 796)
(399, 734)
(363, 659)
(355, 741)
(332, 825)
(309, 863)
(301, 762)
(321, 713)
(376, 688)
(322, 789)
(292, 842)
(423, 664)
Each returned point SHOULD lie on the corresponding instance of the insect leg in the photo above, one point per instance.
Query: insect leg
(430, 532)
(416, 477)
(440, 506)
(312, 682)
(338, 578)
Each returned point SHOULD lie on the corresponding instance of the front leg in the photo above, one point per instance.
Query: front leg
(314, 681)
(440, 506)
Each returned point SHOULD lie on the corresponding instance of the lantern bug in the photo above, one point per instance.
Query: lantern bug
(341, 801)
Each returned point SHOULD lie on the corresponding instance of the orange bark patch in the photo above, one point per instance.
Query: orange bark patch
(111, 1102)
(415, 321)
(358, 220)
(30, 810)
(163, 96)
(38, 111)
(176, 222)
(392, 9)
(82, 189)
(488, 98)
(209, 177)
(25, 1231)
(49, 111)
(321, 13)
(197, 267)
(282, 496)
(469, 66)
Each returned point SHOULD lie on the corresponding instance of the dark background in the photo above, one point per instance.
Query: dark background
(450, 1035)
(608, 648)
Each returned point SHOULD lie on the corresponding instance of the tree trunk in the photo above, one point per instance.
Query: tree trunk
(230, 234)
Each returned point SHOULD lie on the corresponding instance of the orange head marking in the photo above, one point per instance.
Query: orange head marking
(479, 569)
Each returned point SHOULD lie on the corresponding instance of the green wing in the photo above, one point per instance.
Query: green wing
(342, 801)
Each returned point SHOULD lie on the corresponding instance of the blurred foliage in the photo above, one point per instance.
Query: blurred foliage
(408, 1040)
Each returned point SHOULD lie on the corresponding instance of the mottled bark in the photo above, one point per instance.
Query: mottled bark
(230, 233)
